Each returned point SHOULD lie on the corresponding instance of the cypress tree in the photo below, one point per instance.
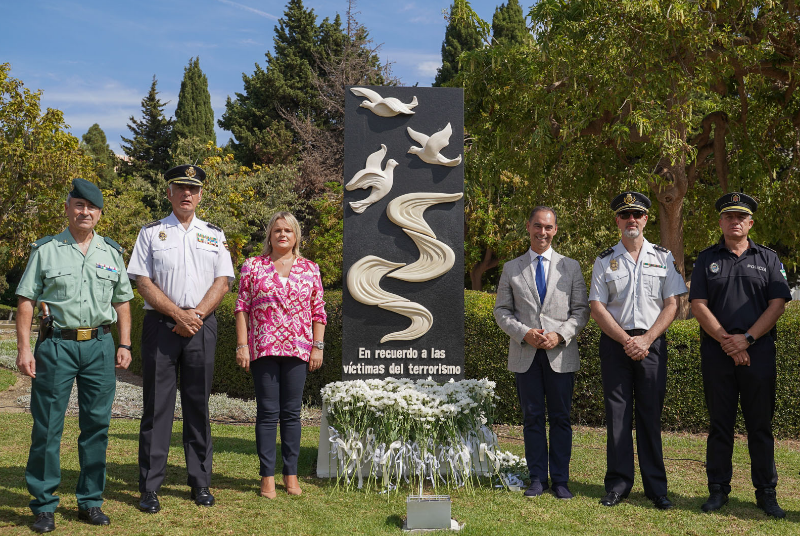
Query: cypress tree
(459, 37)
(104, 158)
(194, 116)
(508, 24)
(148, 148)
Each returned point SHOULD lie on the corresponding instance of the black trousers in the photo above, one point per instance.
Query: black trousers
(725, 384)
(537, 385)
(634, 386)
(278, 381)
(164, 355)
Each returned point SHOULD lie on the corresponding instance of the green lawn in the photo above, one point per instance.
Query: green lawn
(321, 510)
(7, 379)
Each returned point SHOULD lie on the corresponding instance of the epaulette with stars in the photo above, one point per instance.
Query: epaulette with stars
(662, 249)
(212, 226)
(42, 241)
(606, 253)
(152, 224)
(114, 245)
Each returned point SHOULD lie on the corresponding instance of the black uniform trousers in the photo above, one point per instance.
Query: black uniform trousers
(724, 384)
(643, 384)
(165, 354)
(535, 386)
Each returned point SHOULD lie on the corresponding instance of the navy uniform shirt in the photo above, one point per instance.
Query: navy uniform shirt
(634, 292)
(738, 289)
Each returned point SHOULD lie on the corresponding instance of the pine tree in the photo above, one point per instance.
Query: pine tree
(508, 24)
(194, 116)
(459, 37)
(259, 117)
(104, 158)
(148, 149)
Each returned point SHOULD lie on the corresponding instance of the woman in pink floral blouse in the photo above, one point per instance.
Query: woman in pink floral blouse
(280, 323)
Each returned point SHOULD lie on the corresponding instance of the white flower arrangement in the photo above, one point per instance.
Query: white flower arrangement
(400, 430)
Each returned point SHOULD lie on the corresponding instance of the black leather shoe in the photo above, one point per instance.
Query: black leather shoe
(611, 499)
(767, 501)
(535, 489)
(45, 522)
(149, 502)
(717, 498)
(663, 503)
(202, 497)
(93, 516)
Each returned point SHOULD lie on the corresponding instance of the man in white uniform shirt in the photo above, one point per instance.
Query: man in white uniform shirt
(182, 269)
(634, 298)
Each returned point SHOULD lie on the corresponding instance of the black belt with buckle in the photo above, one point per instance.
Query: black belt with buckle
(83, 334)
(635, 332)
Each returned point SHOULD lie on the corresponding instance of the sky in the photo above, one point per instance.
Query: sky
(95, 59)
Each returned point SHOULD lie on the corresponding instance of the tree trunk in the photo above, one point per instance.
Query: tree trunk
(670, 219)
(476, 273)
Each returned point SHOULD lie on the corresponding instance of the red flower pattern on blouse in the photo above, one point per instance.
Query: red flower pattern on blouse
(281, 315)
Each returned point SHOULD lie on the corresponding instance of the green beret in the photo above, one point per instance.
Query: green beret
(186, 174)
(83, 189)
(630, 201)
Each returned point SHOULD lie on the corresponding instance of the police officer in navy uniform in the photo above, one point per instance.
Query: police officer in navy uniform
(81, 278)
(182, 269)
(738, 292)
(634, 298)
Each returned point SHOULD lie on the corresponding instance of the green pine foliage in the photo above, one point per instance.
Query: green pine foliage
(459, 37)
(508, 24)
(194, 116)
(260, 117)
(104, 158)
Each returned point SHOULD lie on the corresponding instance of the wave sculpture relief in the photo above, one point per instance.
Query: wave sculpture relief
(436, 258)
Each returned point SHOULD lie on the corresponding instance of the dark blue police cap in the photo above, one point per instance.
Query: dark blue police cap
(630, 201)
(83, 189)
(186, 174)
(736, 202)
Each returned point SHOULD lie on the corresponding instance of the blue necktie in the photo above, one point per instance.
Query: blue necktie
(541, 285)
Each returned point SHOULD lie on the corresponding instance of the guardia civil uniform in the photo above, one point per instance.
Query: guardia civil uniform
(738, 290)
(634, 294)
(183, 263)
(79, 290)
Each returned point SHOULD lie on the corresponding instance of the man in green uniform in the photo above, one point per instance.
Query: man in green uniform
(81, 277)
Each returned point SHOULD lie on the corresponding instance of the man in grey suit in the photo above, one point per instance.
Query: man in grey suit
(542, 305)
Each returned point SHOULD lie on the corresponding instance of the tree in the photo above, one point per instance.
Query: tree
(38, 160)
(459, 37)
(105, 161)
(194, 116)
(258, 117)
(683, 100)
(508, 24)
(148, 148)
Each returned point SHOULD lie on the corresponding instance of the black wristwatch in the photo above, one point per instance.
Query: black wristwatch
(749, 338)
(126, 346)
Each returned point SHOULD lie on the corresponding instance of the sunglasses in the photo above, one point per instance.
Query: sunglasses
(624, 215)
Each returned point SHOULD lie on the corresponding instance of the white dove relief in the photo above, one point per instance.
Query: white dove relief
(384, 107)
(431, 145)
(372, 176)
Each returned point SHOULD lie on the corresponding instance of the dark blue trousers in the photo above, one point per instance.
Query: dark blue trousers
(535, 387)
(634, 387)
(278, 381)
(725, 384)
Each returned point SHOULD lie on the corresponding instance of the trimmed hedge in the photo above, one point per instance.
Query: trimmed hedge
(486, 348)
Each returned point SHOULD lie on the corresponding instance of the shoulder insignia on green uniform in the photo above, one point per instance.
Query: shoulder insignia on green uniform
(152, 224)
(42, 241)
(113, 244)
(662, 249)
(606, 253)
(212, 226)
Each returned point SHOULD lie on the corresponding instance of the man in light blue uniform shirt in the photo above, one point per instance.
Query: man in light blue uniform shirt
(633, 297)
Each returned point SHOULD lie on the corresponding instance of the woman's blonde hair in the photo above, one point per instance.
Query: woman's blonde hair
(292, 221)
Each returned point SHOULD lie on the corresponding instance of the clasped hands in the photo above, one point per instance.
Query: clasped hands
(187, 322)
(736, 346)
(637, 347)
(539, 339)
